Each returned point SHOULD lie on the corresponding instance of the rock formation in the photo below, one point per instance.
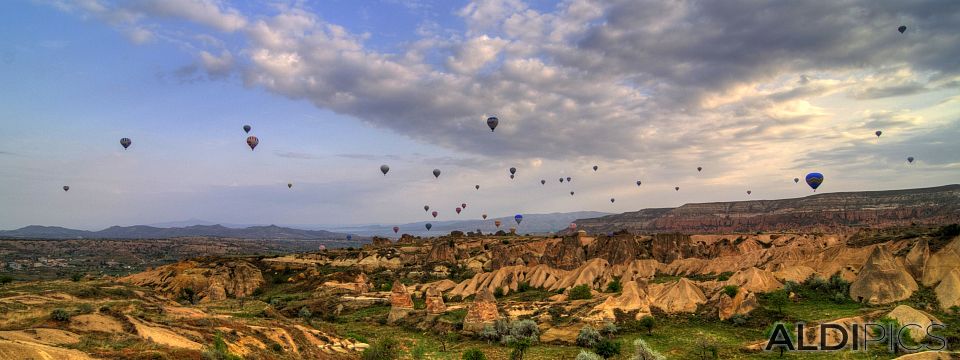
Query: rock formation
(208, 281)
(401, 303)
(882, 279)
(742, 303)
(680, 296)
(567, 254)
(442, 251)
(917, 257)
(755, 280)
(434, 300)
(482, 312)
(942, 263)
(633, 297)
(618, 249)
(908, 315)
(381, 242)
(948, 291)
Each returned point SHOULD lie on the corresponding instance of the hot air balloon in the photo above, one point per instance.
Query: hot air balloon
(513, 170)
(569, 179)
(511, 176)
(289, 185)
(66, 188)
(464, 205)
(246, 129)
(699, 169)
(484, 216)
(125, 142)
(814, 180)
(518, 218)
(796, 180)
(252, 141)
(436, 173)
(492, 122)
(638, 183)
(561, 179)
(878, 133)
(677, 188)
(573, 226)
(571, 193)
(543, 182)
(477, 187)
(426, 208)
(612, 200)
(496, 223)
(434, 214)
(910, 159)
(349, 237)
(396, 229)
(428, 226)
(384, 169)
(458, 210)
(749, 192)
(595, 168)
(902, 29)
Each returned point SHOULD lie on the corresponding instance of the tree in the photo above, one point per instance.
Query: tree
(706, 347)
(304, 313)
(588, 337)
(60, 315)
(785, 329)
(642, 351)
(5, 279)
(219, 350)
(189, 295)
(580, 292)
(731, 290)
(609, 330)
(607, 348)
(385, 349)
(614, 286)
(778, 299)
(648, 322)
(474, 354)
(76, 277)
(586, 355)
(523, 334)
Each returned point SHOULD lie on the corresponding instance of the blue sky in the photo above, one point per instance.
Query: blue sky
(333, 89)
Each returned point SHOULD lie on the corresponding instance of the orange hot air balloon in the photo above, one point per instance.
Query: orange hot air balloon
(252, 141)
(497, 223)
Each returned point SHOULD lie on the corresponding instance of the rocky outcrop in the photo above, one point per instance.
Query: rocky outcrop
(908, 315)
(567, 254)
(917, 257)
(816, 213)
(682, 296)
(401, 303)
(942, 263)
(948, 291)
(796, 273)
(360, 284)
(212, 281)
(442, 251)
(755, 280)
(741, 304)
(381, 242)
(481, 312)
(618, 249)
(434, 301)
(632, 298)
(882, 279)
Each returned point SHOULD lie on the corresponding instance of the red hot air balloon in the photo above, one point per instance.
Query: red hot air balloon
(252, 141)
(434, 214)
(458, 211)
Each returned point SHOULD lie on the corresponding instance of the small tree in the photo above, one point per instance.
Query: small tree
(304, 313)
(586, 355)
(60, 315)
(731, 290)
(609, 330)
(419, 352)
(614, 286)
(706, 347)
(790, 333)
(5, 279)
(588, 337)
(474, 354)
(607, 348)
(778, 299)
(523, 334)
(76, 277)
(647, 323)
(189, 295)
(385, 349)
(498, 292)
(580, 292)
(642, 351)
(219, 350)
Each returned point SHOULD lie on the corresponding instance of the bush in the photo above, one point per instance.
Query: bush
(5, 279)
(586, 355)
(648, 323)
(60, 315)
(76, 277)
(724, 276)
(609, 329)
(739, 319)
(614, 286)
(525, 329)
(474, 354)
(588, 337)
(219, 350)
(304, 313)
(706, 347)
(642, 351)
(579, 292)
(419, 352)
(524, 287)
(778, 299)
(731, 290)
(85, 308)
(384, 349)
(790, 330)
(489, 333)
(607, 348)
(498, 292)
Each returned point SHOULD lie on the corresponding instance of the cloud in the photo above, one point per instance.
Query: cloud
(212, 13)
(297, 155)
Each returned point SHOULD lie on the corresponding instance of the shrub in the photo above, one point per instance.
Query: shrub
(76, 277)
(614, 286)
(219, 350)
(724, 276)
(524, 286)
(385, 349)
(525, 329)
(489, 333)
(580, 292)
(790, 332)
(778, 299)
(642, 351)
(5, 279)
(609, 329)
(607, 348)
(276, 347)
(419, 352)
(85, 308)
(588, 337)
(731, 290)
(60, 315)
(706, 347)
(304, 313)
(474, 354)
(739, 319)
(648, 323)
(586, 355)
(498, 292)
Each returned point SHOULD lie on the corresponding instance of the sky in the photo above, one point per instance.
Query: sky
(757, 93)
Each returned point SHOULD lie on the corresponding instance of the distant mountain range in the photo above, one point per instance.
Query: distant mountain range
(270, 232)
(531, 224)
(842, 211)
